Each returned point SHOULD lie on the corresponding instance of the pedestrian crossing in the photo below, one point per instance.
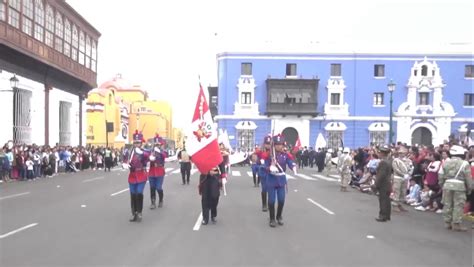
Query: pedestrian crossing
(236, 173)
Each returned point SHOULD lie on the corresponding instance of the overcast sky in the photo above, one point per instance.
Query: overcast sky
(164, 45)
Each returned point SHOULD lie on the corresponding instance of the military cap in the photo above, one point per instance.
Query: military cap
(384, 148)
(457, 150)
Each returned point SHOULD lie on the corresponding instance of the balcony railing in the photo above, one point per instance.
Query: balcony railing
(299, 109)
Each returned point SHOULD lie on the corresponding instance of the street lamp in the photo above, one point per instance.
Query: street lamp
(14, 82)
(391, 87)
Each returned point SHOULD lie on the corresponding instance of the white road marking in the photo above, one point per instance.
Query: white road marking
(335, 176)
(306, 177)
(197, 225)
(236, 173)
(176, 171)
(168, 169)
(370, 237)
(18, 230)
(93, 179)
(296, 190)
(290, 177)
(121, 191)
(193, 171)
(83, 206)
(250, 174)
(58, 186)
(324, 178)
(16, 195)
(320, 206)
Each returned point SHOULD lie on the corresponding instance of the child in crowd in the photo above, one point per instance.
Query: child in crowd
(29, 168)
(425, 198)
(414, 193)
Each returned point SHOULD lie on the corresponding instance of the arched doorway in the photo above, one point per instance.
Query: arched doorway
(291, 135)
(422, 136)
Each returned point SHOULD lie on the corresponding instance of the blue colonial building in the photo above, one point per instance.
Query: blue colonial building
(344, 96)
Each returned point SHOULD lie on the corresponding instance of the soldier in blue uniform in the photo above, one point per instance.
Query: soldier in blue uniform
(263, 160)
(276, 178)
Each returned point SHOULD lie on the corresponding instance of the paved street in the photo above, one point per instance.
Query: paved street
(82, 220)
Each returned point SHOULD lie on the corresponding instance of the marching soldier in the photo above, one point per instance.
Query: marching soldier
(254, 167)
(209, 189)
(157, 172)
(276, 179)
(455, 179)
(345, 169)
(137, 176)
(262, 161)
(402, 170)
(185, 165)
(383, 184)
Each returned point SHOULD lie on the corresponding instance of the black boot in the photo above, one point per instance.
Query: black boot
(160, 195)
(153, 198)
(279, 212)
(139, 207)
(264, 202)
(254, 180)
(133, 206)
(271, 208)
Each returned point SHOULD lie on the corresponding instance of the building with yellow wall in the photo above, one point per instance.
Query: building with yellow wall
(128, 108)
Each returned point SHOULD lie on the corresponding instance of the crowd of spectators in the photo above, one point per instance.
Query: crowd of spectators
(21, 162)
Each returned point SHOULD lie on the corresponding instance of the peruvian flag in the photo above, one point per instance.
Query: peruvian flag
(202, 144)
(297, 145)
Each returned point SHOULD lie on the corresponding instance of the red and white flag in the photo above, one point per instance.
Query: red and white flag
(202, 144)
(297, 146)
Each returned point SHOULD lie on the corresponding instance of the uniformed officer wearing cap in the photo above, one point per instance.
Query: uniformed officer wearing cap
(455, 179)
(137, 176)
(276, 179)
(328, 162)
(345, 168)
(157, 171)
(402, 171)
(383, 185)
(263, 160)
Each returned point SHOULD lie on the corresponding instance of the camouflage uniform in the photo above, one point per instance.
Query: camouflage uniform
(328, 163)
(455, 179)
(402, 170)
(345, 169)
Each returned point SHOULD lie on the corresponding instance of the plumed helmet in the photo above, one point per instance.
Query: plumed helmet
(267, 140)
(138, 137)
(158, 140)
(457, 150)
(278, 139)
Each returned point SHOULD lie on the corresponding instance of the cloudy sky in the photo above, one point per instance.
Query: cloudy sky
(164, 45)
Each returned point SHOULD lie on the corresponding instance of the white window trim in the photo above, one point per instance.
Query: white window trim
(378, 106)
(380, 77)
(291, 76)
(468, 106)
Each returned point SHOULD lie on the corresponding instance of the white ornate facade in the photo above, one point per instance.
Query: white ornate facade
(424, 108)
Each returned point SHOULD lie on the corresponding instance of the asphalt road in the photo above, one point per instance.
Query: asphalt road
(82, 220)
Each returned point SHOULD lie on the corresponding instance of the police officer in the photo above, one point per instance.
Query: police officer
(263, 160)
(345, 169)
(402, 170)
(455, 179)
(383, 184)
(137, 176)
(276, 178)
(157, 171)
